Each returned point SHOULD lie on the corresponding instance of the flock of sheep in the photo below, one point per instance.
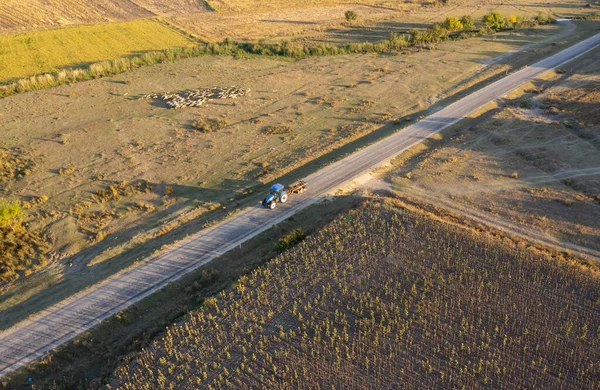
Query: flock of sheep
(197, 97)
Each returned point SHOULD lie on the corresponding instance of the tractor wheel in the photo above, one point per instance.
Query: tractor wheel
(272, 205)
(283, 198)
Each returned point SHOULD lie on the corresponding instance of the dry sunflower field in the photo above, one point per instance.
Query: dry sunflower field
(388, 298)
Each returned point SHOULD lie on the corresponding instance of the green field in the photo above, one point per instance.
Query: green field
(27, 54)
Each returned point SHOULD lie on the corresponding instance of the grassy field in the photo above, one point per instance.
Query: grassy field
(130, 191)
(391, 298)
(26, 54)
(530, 160)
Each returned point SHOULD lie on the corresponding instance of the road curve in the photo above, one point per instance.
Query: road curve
(32, 338)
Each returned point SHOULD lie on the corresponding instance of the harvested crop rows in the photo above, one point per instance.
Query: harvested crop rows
(385, 298)
(16, 15)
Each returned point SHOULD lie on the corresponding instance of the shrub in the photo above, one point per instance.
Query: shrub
(494, 21)
(351, 15)
(543, 18)
(209, 125)
(10, 212)
(451, 23)
(66, 171)
(290, 239)
(468, 23)
(277, 129)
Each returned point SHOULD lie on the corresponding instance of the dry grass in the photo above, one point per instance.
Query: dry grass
(325, 21)
(15, 163)
(209, 125)
(245, 6)
(21, 249)
(277, 129)
(269, 23)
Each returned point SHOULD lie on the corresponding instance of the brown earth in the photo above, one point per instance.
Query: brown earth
(532, 160)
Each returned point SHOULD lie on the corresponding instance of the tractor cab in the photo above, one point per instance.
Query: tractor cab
(277, 190)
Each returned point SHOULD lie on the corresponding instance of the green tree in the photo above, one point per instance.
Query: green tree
(494, 21)
(351, 15)
(452, 24)
(468, 23)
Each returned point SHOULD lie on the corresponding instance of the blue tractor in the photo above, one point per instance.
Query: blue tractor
(280, 194)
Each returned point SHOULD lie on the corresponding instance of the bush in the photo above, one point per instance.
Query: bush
(452, 24)
(209, 125)
(494, 21)
(468, 23)
(290, 239)
(351, 16)
(277, 129)
(543, 18)
(10, 212)
(512, 20)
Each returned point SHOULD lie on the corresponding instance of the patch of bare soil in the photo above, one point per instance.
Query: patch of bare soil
(532, 160)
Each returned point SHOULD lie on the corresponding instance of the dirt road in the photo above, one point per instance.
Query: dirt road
(32, 338)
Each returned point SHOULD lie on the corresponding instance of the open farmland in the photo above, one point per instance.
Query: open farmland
(18, 16)
(236, 6)
(117, 199)
(388, 298)
(325, 21)
(531, 160)
(232, 6)
(26, 54)
(282, 23)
